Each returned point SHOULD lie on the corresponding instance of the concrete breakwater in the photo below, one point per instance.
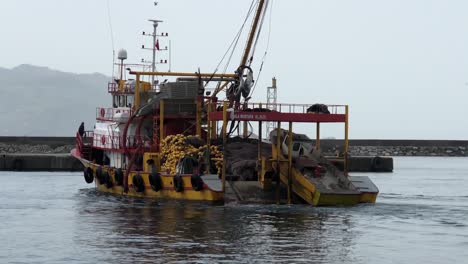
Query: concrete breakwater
(372, 147)
(38, 154)
(39, 162)
(52, 153)
(447, 151)
(330, 147)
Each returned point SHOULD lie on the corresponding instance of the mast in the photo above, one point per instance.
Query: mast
(153, 62)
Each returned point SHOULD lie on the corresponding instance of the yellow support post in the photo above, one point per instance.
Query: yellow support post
(290, 164)
(137, 93)
(317, 141)
(278, 162)
(214, 124)
(208, 137)
(223, 173)
(161, 122)
(198, 120)
(186, 74)
(259, 150)
(209, 123)
(213, 130)
(346, 140)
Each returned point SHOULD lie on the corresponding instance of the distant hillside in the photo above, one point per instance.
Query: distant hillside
(38, 101)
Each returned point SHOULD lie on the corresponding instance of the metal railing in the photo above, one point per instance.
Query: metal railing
(81, 141)
(287, 108)
(116, 142)
(113, 114)
(128, 88)
(113, 87)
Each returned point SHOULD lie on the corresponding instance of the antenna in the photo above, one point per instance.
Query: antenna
(156, 45)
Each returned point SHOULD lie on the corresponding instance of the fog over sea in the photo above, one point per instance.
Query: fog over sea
(420, 217)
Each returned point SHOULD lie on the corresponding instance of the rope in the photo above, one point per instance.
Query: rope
(266, 49)
(233, 45)
(258, 33)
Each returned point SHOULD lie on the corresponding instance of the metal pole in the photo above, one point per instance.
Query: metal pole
(317, 141)
(186, 74)
(253, 32)
(208, 139)
(225, 106)
(278, 162)
(346, 141)
(153, 64)
(136, 104)
(198, 117)
(161, 122)
(290, 164)
(259, 151)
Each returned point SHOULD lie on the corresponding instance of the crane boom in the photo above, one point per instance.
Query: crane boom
(253, 32)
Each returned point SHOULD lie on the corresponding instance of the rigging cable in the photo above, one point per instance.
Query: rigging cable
(112, 36)
(252, 7)
(233, 44)
(258, 33)
(266, 49)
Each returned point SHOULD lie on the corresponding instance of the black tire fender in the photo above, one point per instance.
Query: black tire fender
(155, 181)
(138, 183)
(197, 182)
(88, 175)
(107, 180)
(118, 176)
(178, 183)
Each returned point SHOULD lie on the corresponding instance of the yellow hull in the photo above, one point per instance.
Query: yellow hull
(364, 190)
(168, 190)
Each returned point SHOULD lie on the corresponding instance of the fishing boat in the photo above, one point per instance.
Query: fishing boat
(170, 140)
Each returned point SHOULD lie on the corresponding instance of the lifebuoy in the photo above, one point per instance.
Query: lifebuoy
(118, 177)
(103, 112)
(197, 182)
(178, 183)
(103, 140)
(155, 181)
(88, 175)
(138, 183)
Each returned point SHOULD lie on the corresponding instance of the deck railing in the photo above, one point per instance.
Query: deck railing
(116, 142)
(128, 88)
(113, 114)
(287, 108)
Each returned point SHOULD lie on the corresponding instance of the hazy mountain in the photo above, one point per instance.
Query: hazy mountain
(38, 101)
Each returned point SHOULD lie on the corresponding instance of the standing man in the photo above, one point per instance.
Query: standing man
(81, 130)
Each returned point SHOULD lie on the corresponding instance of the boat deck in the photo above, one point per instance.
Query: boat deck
(213, 182)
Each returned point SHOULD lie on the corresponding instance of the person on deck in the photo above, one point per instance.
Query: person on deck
(81, 130)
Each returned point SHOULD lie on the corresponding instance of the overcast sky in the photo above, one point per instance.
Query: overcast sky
(401, 65)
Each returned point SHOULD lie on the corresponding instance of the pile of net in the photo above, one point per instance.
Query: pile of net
(176, 147)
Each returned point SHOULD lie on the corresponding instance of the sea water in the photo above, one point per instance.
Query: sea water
(421, 216)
